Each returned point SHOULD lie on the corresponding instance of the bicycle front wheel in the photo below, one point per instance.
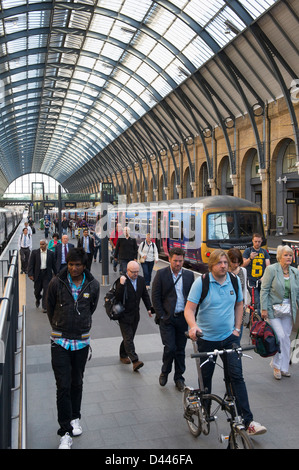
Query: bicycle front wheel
(239, 439)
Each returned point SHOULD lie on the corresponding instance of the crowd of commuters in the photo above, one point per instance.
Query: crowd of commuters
(69, 293)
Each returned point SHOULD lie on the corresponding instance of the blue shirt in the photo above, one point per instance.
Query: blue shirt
(216, 314)
(180, 303)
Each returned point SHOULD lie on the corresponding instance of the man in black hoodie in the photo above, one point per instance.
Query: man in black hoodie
(72, 299)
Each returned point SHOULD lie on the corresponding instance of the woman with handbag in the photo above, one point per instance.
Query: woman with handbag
(279, 304)
(148, 256)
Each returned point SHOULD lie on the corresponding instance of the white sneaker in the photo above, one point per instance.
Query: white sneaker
(77, 429)
(255, 429)
(65, 442)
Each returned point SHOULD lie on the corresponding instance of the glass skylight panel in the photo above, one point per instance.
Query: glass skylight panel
(93, 45)
(16, 45)
(91, 91)
(82, 76)
(122, 31)
(87, 102)
(160, 20)
(202, 11)
(198, 52)
(129, 116)
(111, 51)
(123, 95)
(161, 85)
(136, 106)
(145, 44)
(179, 34)
(16, 63)
(147, 72)
(18, 76)
(132, 62)
(136, 86)
(101, 24)
(256, 7)
(161, 56)
(79, 19)
(15, 23)
(113, 89)
(136, 9)
(96, 80)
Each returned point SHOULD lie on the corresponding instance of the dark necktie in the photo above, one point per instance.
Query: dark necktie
(65, 252)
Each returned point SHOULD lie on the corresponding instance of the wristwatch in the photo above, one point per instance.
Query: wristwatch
(238, 330)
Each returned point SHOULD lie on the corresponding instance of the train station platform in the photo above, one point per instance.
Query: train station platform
(124, 410)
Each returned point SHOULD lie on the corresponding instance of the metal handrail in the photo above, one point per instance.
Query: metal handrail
(23, 390)
(9, 309)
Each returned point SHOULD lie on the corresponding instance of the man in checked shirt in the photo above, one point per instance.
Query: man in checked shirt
(72, 298)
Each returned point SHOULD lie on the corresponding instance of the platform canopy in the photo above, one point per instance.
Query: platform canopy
(89, 88)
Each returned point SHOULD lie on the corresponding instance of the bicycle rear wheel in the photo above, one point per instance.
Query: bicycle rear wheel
(191, 413)
(238, 439)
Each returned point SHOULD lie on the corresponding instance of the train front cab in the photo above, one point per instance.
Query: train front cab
(230, 228)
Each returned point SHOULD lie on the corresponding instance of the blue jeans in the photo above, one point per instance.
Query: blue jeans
(234, 370)
(97, 249)
(147, 268)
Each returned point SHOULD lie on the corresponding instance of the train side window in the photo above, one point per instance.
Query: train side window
(174, 230)
(143, 227)
(192, 229)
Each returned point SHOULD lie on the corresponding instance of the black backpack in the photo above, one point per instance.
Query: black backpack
(113, 307)
(206, 284)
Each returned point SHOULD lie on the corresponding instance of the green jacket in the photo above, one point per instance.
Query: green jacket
(273, 286)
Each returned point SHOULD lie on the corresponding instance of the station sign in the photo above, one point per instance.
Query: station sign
(49, 205)
(70, 205)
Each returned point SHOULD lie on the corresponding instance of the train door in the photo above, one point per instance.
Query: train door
(164, 226)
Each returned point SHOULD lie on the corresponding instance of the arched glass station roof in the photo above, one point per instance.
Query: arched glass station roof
(89, 87)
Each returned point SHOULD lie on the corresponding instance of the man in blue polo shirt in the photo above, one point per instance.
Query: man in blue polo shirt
(219, 318)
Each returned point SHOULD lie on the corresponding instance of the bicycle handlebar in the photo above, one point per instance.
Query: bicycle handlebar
(218, 352)
(198, 334)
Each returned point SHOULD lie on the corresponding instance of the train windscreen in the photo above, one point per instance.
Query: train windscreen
(233, 227)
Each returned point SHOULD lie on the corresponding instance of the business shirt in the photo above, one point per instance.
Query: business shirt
(25, 241)
(180, 303)
(43, 259)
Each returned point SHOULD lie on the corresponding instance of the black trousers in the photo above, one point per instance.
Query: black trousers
(68, 367)
(127, 346)
(174, 341)
(25, 255)
(41, 286)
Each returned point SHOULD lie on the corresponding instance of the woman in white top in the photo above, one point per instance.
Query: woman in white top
(279, 305)
(236, 261)
(148, 256)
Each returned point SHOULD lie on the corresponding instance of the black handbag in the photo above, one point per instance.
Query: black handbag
(113, 307)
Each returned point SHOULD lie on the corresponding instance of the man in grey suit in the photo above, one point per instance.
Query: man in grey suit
(61, 250)
(41, 268)
(170, 290)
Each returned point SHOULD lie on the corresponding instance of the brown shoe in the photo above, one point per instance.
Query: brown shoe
(125, 360)
(137, 365)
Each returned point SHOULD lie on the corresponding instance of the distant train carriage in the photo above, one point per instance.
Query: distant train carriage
(9, 220)
(198, 225)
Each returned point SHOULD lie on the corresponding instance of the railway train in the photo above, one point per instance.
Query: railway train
(198, 225)
(9, 220)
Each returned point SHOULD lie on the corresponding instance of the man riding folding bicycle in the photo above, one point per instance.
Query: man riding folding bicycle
(219, 319)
